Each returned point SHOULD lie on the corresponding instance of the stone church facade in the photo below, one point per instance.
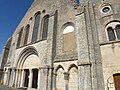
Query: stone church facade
(65, 45)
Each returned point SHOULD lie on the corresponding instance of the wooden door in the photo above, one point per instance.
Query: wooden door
(117, 81)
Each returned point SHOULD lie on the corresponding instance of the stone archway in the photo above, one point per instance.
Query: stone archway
(27, 68)
(30, 68)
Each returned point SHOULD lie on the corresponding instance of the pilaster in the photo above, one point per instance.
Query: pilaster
(22, 78)
(54, 80)
(50, 50)
(89, 57)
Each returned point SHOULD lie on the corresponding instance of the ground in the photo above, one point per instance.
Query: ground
(8, 88)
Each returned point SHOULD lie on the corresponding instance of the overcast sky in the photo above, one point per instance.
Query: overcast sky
(11, 13)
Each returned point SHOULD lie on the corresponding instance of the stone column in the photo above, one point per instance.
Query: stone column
(16, 78)
(19, 77)
(38, 79)
(8, 77)
(30, 78)
(13, 77)
(66, 77)
(22, 78)
(5, 77)
(54, 81)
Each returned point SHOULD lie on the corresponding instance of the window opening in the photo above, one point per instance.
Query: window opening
(36, 28)
(111, 34)
(45, 27)
(118, 31)
(26, 34)
(19, 37)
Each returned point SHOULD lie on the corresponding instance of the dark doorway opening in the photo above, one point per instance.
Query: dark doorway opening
(26, 78)
(35, 78)
(117, 81)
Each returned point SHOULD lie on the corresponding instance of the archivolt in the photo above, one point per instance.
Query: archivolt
(59, 66)
(24, 54)
(71, 66)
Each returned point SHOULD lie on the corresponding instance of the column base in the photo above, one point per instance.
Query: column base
(31, 89)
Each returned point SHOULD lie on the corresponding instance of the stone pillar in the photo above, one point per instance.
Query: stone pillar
(54, 81)
(19, 77)
(38, 79)
(10, 71)
(8, 77)
(16, 78)
(12, 78)
(66, 77)
(5, 77)
(30, 78)
(22, 78)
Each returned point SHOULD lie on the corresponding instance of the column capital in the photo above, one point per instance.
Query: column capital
(14, 68)
(55, 74)
(22, 69)
(66, 75)
(30, 70)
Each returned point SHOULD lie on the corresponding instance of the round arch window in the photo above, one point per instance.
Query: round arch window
(68, 29)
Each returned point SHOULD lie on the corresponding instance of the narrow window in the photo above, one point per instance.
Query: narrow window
(111, 34)
(26, 34)
(19, 38)
(36, 28)
(118, 31)
(69, 38)
(45, 27)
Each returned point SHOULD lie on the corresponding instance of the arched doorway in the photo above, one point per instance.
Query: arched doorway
(28, 67)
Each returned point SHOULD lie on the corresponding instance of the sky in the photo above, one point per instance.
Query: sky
(11, 13)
